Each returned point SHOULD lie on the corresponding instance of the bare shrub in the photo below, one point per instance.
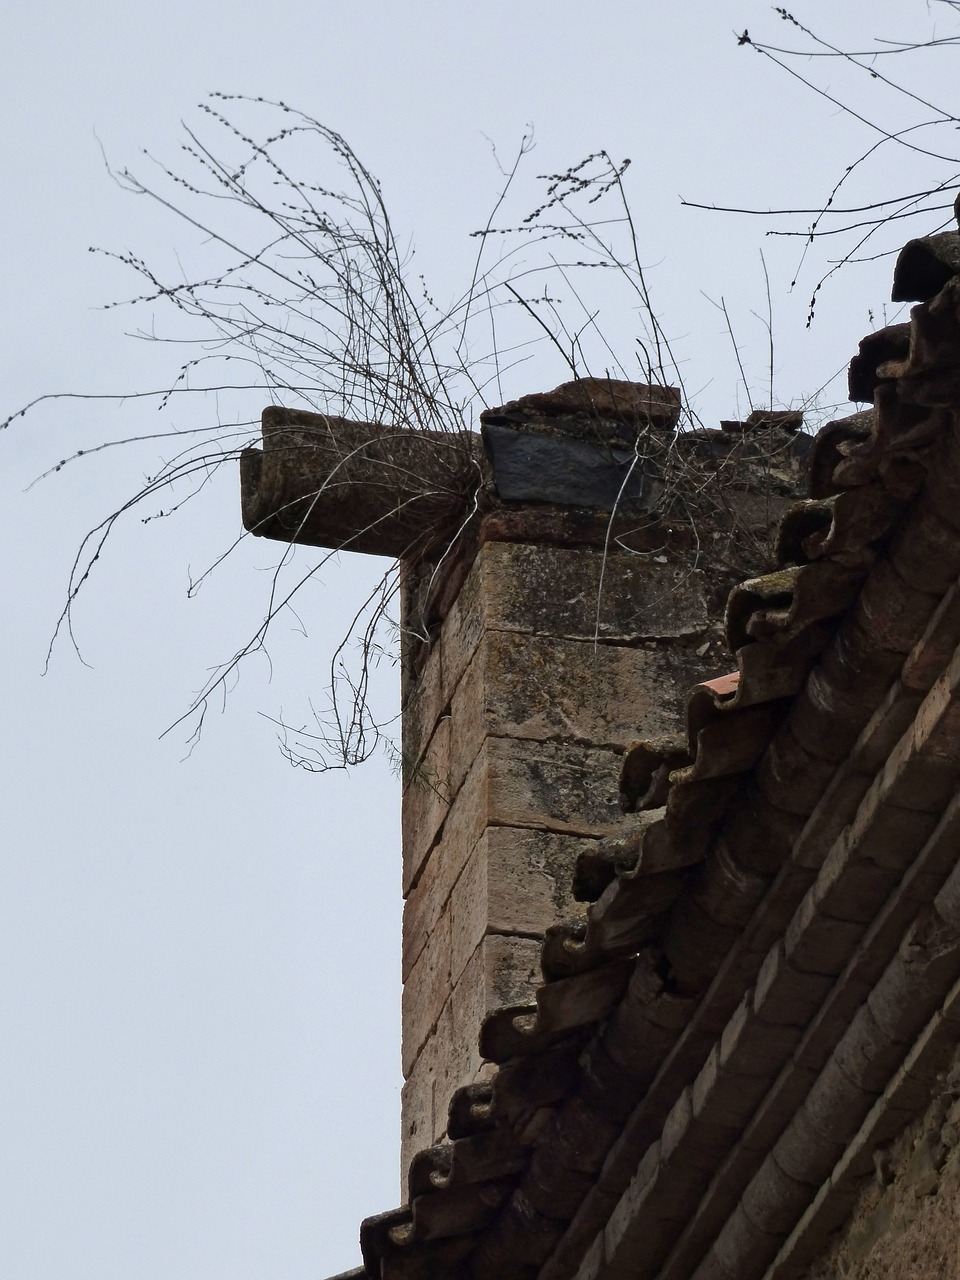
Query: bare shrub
(307, 300)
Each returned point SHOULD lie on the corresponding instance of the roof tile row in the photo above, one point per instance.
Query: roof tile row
(724, 1022)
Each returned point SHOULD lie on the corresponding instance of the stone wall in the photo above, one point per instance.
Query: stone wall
(549, 661)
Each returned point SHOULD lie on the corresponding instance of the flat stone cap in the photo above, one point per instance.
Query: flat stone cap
(598, 399)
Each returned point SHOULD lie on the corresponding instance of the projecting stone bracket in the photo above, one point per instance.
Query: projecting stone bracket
(358, 486)
(326, 481)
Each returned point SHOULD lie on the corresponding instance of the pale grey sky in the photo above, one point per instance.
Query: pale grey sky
(199, 960)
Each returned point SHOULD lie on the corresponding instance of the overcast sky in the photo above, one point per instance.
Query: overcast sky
(199, 957)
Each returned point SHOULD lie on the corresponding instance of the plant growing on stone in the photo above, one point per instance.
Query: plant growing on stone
(305, 299)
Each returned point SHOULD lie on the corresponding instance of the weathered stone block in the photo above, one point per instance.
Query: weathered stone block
(546, 665)
(836, 1105)
(807, 1154)
(724, 1098)
(591, 1267)
(835, 810)
(540, 688)
(426, 699)
(556, 592)
(465, 822)
(425, 992)
(923, 768)
(429, 898)
(536, 466)
(630, 1205)
(568, 790)
(778, 1109)
(742, 1248)
(516, 881)
(866, 1054)
(426, 801)
(849, 890)
(426, 1093)
(888, 832)
(750, 1047)
(584, 594)
(773, 1201)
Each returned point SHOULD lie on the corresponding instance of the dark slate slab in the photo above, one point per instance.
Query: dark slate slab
(533, 466)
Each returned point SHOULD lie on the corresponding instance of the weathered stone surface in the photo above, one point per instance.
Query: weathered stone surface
(739, 1241)
(825, 825)
(725, 1097)
(778, 1108)
(917, 776)
(555, 592)
(533, 466)
(891, 833)
(866, 1053)
(850, 890)
(773, 1200)
(425, 992)
(539, 688)
(516, 881)
(624, 1216)
(591, 1266)
(426, 1092)
(586, 595)
(428, 899)
(425, 698)
(462, 828)
(815, 943)
(362, 486)
(502, 972)
(890, 721)
(552, 786)
(903, 1198)
(426, 802)
(589, 403)
(934, 650)
(806, 1153)
(784, 995)
(749, 1047)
